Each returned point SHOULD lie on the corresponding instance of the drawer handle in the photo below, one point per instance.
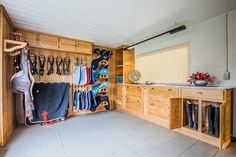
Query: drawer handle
(199, 93)
(152, 104)
(169, 89)
(137, 100)
(152, 88)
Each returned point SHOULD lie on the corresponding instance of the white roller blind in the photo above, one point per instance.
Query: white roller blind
(170, 65)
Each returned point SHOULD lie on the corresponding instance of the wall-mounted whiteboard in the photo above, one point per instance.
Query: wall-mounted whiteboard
(170, 65)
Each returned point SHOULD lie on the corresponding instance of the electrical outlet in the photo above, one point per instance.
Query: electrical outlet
(227, 75)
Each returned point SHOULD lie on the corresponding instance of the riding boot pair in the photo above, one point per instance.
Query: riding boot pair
(213, 120)
(189, 109)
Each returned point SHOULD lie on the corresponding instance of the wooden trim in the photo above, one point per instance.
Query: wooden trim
(1, 76)
(7, 18)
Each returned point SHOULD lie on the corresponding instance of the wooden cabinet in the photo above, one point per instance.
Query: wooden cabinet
(204, 98)
(49, 42)
(119, 99)
(67, 45)
(165, 106)
(30, 37)
(158, 104)
(53, 42)
(134, 100)
(83, 47)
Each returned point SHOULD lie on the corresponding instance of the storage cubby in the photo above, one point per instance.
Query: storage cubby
(190, 114)
(208, 121)
(220, 102)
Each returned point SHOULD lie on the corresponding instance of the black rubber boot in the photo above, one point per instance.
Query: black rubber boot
(188, 107)
(210, 113)
(217, 121)
(195, 109)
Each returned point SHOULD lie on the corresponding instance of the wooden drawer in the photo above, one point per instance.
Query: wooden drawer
(159, 104)
(158, 112)
(163, 92)
(206, 94)
(119, 91)
(83, 47)
(48, 42)
(31, 38)
(67, 45)
(133, 91)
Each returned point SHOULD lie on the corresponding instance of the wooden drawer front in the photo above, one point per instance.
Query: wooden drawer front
(203, 94)
(159, 104)
(67, 45)
(83, 47)
(119, 92)
(31, 38)
(48, 42)
(133, 91)
(158, 112)
(134, 102)
(163, 92)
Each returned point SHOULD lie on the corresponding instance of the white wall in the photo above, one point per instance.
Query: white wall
(207, 49)
(207, 46)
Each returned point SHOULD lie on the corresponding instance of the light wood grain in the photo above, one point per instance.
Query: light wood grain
(7, 98)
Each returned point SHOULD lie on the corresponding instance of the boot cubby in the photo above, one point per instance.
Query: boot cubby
(190, 114)
(211, 118)
(213, 112)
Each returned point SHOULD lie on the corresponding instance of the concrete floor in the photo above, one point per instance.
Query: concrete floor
(107, 134)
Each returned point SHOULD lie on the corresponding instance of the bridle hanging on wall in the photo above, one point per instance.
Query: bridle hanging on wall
(50, 63)
(58, 64)
(66, 66)
(42, 60)
(33, 63)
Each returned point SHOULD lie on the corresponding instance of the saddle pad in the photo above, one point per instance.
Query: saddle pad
(52, 98)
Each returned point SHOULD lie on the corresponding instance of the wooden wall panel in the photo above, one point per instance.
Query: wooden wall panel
(7, 99)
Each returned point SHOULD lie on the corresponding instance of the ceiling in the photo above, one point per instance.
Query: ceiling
(111, 22)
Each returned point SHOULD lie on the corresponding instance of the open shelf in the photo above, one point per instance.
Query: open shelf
(185, 117)
(205, 117)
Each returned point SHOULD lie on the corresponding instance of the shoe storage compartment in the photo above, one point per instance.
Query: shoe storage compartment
(190, 116)
(214, 115)
(211, 118)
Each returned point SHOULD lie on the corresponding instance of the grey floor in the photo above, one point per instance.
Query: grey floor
(107, 134)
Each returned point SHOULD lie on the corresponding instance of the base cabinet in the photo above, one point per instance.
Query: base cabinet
(166, 106)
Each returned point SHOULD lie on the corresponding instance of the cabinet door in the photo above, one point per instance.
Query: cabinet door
(133, 105)
(83, 47)
(158, 112)
(67, 45)
(119, 92)
(48, 42)
(31, 38)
